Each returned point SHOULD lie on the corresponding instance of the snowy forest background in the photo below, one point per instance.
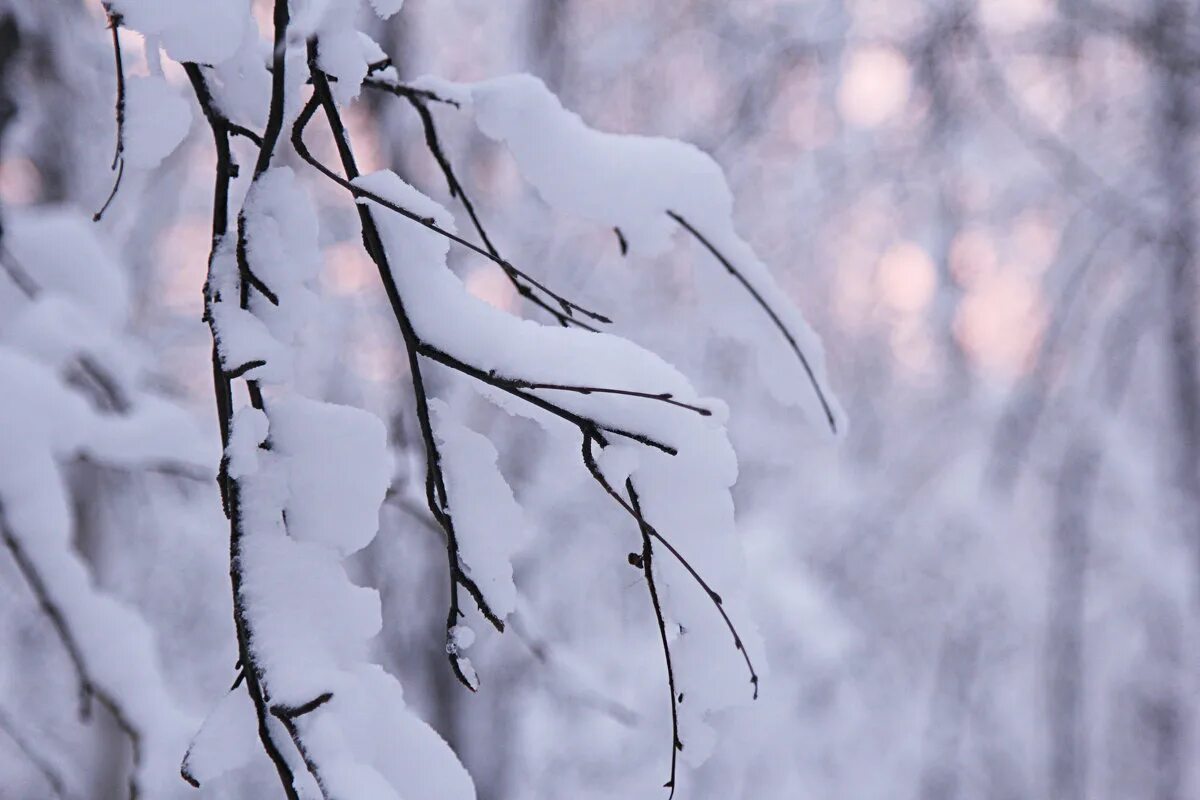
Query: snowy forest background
(987, 588)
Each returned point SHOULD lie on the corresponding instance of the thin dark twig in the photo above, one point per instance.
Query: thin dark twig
(293, 712)
(523, 283)
(238, 130)
(115, 21)
(513, 386)
(118, 162)
(242, 369)
(402, 90)
(112, 194)
(770, 312)
(651, 584)
(717, 602)
(590, 461)
(663, 397)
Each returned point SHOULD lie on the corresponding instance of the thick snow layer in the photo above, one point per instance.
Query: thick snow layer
(283, 251)
(346, 53)
(241, 84)
(249, 430)
(242, 338)
(227, 740)
(623, 181)
(488, 523)
(386, 8)
(338, 471)
(207, 32)
(308, 622)
(370, 744)
(157, 119)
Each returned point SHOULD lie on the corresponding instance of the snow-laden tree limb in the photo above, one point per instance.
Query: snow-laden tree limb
(302, 480)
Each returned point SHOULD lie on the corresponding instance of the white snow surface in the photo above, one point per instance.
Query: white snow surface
(338, 469)
(228, 739)
(488, 523)
(241, 84)
(157, 119)
(386, 8)
(283, 252)
(206, 32)
(243, 338)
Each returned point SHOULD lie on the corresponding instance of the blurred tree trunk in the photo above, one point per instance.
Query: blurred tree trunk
(1175, 126)
(1069, 546)
(935, 66)
(958, 661)
(1161, 712)
(547, 32)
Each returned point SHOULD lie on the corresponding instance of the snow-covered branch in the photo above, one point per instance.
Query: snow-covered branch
(302, 480)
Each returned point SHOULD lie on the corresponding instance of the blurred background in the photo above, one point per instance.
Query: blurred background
(987, 589)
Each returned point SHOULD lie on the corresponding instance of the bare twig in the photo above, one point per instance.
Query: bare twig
(770, 312)
(118, 164)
